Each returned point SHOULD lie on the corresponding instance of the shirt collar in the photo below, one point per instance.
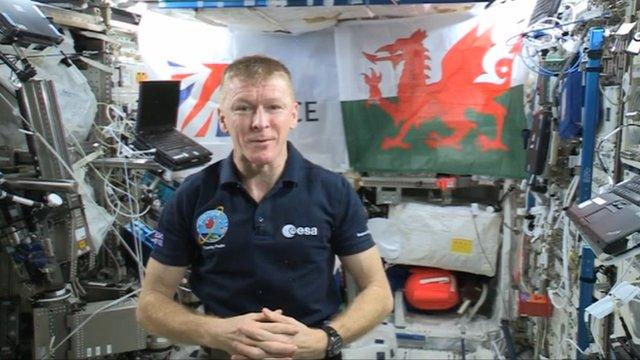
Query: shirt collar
(294, 166)
(291, 174)
(228, 171)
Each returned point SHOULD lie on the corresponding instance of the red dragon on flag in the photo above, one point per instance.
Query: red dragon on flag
(447, 99)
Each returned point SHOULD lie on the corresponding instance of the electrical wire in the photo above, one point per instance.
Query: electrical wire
(75, 284)
(542, 35)
(111, 254)
(126, 246)
(507, 203)
(606, 97)
(479, 302)
(595, 338)
(624, 273)
(627, 254)
(137, 254)
(131, 213)
(116, 129)
(39, 136)
(560, 25)
(542, 71)
(137, 257)
(521, 283)
(137, 242)
(573, 343)
(108, 183)
(120, 122)
(603, 166)
(564, 288)
(496, 350)
(17, 114)
(543, 338)
(496, 338)
(484, 253)
(592, 324)
(569, 6)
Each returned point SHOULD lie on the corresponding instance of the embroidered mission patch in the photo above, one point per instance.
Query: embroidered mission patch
(212, 225)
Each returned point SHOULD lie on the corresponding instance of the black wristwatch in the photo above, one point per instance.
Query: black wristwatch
(334, 341)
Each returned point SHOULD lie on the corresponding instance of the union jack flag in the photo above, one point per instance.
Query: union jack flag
(198, 88)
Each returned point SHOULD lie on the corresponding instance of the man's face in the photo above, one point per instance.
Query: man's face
(258, 116)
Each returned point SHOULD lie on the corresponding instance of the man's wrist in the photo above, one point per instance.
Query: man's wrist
(210, 331)
(323, 340)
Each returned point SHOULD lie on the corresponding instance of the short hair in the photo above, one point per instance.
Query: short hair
(254, 68)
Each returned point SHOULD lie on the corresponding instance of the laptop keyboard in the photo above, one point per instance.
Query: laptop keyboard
(630, 190)
(167, 141)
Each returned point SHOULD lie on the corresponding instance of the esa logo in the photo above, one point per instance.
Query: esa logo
(290, 231)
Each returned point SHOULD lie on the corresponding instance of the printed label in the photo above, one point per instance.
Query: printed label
(461, 246)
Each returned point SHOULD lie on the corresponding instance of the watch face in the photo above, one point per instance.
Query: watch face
(335, 343)
(336, 346)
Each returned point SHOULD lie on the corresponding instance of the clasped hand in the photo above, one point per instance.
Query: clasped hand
(270, 334)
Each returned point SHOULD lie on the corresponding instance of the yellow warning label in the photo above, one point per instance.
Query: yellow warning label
(141, 76)
(82, 244)
(461, 246)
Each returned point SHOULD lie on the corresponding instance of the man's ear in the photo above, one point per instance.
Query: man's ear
(222, 119)
(294, 115)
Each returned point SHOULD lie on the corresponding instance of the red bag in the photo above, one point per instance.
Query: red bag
(431, 289)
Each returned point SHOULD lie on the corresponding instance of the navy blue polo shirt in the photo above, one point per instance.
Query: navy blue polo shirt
(278, 253)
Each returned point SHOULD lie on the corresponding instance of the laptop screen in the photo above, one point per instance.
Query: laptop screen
(158, 103)
(21, 20)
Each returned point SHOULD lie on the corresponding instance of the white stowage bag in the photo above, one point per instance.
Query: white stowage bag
(447, 237)
(99, 220)
(78, 105)
(77, 102)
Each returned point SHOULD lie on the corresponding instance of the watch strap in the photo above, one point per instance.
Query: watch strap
(334, 341)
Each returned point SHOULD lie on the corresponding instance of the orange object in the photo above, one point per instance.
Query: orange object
(141, 76)
(534, 305)
(431, 289)
(446, 182)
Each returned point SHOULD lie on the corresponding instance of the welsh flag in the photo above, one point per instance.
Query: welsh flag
(438, 94)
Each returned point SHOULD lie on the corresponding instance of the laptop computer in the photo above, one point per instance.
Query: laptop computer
(158, 104)
(21, 21)
(607, 219)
